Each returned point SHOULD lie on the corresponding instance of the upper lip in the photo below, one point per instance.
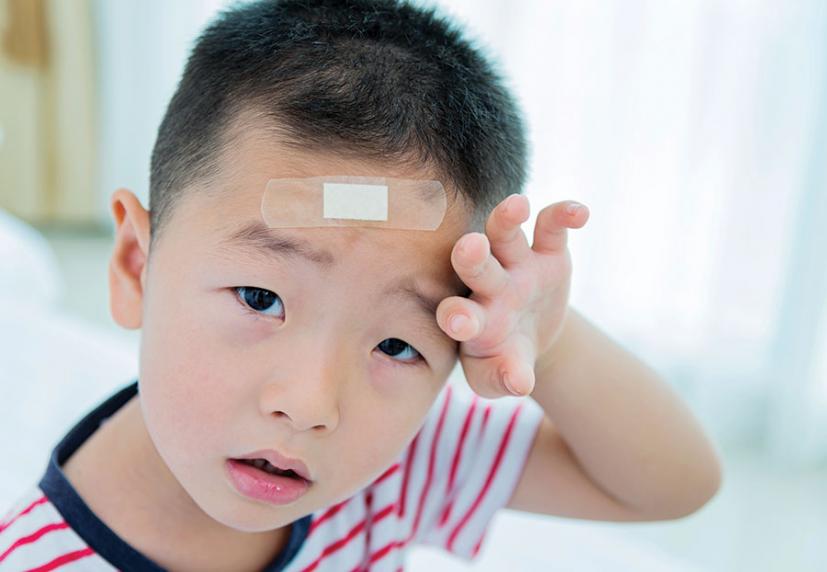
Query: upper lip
(282, 462)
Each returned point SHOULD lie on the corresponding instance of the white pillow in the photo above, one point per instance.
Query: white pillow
(53, 369)
(29, 270)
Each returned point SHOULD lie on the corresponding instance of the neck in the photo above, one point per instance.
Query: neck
(120, 475)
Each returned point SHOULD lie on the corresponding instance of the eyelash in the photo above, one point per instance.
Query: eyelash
(420, 359)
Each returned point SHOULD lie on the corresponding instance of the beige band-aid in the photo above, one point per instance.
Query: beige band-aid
(380, 202)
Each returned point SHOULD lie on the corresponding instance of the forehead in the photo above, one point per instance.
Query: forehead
(230, 207)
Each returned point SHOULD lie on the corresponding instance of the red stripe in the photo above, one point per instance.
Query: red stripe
(384, 512)
(333, 547)
(385, 549)
(408, 464)
(65, 559)
(23, 540)
(486, 414)
(431, 462)
(329, 513)
(23, 512)
(489, 478)
(368, 519)
(391, 470)
(446, 514)
(477, 546)
(457, 455)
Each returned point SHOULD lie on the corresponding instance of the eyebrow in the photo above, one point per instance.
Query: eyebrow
(275, 245)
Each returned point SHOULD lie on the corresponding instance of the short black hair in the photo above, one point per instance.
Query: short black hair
(392, 80)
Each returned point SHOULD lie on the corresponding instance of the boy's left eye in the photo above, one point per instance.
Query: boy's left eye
(395, 346)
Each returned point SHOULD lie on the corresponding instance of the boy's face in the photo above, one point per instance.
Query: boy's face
(316, 372)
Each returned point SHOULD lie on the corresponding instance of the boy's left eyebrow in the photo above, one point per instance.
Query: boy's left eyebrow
(273, 244)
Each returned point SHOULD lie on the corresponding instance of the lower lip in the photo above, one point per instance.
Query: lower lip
(257, 484)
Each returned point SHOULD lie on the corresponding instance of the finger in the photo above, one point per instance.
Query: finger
(491, 377)
(461, 318)
(517, 370)
(508, 242)
(481, 375)
(477, 267)
(550, 229)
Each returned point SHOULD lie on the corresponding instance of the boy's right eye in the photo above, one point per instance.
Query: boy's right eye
(259, 300)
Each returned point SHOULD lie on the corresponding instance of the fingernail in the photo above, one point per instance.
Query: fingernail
(507, 384)
(458, 321)
(573, 208)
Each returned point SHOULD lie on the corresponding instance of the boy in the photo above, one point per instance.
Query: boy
(291, 411)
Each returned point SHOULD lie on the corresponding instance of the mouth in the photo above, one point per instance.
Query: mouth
(259, 479)
(276, 463)
(267, 467)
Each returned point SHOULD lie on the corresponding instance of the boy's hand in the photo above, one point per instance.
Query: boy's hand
(519, 294)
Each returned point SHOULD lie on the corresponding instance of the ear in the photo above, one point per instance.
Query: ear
(127, 268)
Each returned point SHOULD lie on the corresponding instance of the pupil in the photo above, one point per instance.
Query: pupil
(393, 346)
(259, 299)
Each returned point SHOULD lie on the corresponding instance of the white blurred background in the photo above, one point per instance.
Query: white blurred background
(695, 131)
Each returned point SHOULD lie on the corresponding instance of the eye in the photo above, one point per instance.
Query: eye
(259, 300)
(395, 347)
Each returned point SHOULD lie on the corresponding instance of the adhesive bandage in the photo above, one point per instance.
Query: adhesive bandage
(380, 202)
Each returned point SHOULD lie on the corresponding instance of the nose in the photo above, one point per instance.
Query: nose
(305, 393)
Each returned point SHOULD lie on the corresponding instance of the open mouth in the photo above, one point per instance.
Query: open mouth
(259, 479)
(264, 465)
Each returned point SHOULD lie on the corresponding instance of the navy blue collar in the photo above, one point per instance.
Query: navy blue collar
(90, 528)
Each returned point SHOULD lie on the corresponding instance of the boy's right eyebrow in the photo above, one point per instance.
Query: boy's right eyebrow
(262, 238)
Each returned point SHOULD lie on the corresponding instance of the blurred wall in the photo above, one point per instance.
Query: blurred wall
(47, 111)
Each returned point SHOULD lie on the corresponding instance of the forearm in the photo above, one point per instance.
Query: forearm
(628, 430)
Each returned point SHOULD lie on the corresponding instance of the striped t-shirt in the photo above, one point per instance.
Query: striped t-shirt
(442, 490)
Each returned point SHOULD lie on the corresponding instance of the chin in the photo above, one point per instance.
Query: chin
(249, 516)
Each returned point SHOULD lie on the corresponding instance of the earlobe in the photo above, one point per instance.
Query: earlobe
(127, 267)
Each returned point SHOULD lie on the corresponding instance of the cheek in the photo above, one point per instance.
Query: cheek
(188, 380)
(186, 413)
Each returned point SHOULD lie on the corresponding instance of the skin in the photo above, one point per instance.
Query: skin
(218, 380)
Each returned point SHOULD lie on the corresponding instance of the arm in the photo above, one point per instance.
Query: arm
(617, 443)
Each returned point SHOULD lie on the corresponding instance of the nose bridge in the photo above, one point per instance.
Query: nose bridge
(307, 381)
